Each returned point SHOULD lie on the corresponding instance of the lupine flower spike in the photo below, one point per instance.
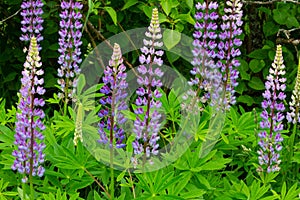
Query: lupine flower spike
(69, 47)
(28, 136)
(207, 77)
(294, 116)
(113, 102)
(147, 124)
(229, 48)
(32, 20)
(270, 138)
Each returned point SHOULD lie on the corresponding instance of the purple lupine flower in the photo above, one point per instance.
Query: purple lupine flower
(270, 138)
(32, 20)
(147, 123)
(28, 136)
(293, 116)
(113, 102)
(207, 76)
(229, 48)
(69, 47)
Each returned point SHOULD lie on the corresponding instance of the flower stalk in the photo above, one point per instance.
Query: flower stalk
(147, 125)
(69, 49)
(272, 116)
(293, 117)
(229, 49)
(207, 77)
(29, 125)
(113, 103)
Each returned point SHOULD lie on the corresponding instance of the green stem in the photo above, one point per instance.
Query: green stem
(31, 187)
(291, 151)
(291, 144)
(112, 176)
(132, 185)
(24, 189)
(111, 136)
(94, 178)
(66, 101)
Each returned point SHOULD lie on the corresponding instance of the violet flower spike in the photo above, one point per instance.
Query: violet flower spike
(28, 137)
(69, 47)
(229, 48)
(113, 102)
(293, 116)
(270, 137)
(147, 123)
(32, 20)
(207, 75)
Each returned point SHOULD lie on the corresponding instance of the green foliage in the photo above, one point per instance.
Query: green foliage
(5, 195)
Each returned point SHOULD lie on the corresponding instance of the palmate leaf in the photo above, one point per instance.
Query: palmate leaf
(195, 193)
(4, 194)
(184, 178)
(79, 184)
(63, 125)
(292, 193)
(162, 182)
(165, 197)
(257, 190)
(6, 137)
(212, 161)
(156, 183)
(216, 164)
(60, 196)
(64, 157)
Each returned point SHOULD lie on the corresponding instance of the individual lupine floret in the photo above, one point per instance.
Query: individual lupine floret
(113, 102)
(272, 116)
(207, 76)
(69, 47)
(293, 116)
(229, 48)
(28, 136)
(147, 123)
(32, 20)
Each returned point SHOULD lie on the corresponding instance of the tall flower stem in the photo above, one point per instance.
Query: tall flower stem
(147, 123)
(112, 175)
(272, 116)
(28, 137)
(112, 104)
(229, 48)
(293, 118)
(69, 49)
(291, 144)
(24, 189)
(31, 187)
(132, 187)
(111, 137)
(203, 54)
